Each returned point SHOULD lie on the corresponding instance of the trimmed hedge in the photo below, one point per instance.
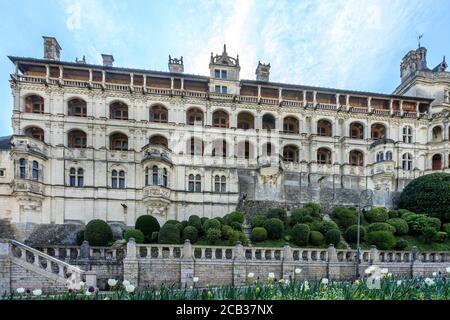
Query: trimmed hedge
(213, 235)
(176, 223)
(429, 194)
(169, 234)
(381, 226)
(134, 233)
(227, 232)
(351, 233)
(277, 213)
(377, 215)
(235, 216)
(195, 222)
(401, 244)
(333, 236)
(417, 222)
(79, 237)
(383, 240)
(274, 227)
(446, 227)
(400, 225)
(154, 236)
(259, 234)
(316, 238)
(239, 236)
(147, 224)
(211, 223)
(258, 221)
(300, 234)
(302, 215)
(315, 209)
(429, 234)
(98, 233)
(344, 217)
(236, 225)
(190, 233)
(323, 226)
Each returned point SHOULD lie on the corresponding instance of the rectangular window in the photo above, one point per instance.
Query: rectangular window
(114, 183)
(2, 172)
(121, 183)
(217, 73)
(198, 186)
(217, 89)
(191, 186)
(224, 90)
(224, 74)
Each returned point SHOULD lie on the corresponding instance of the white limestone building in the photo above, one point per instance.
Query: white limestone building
(97, 141)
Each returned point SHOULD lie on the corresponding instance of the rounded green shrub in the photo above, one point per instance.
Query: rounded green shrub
(213, 235)
(345, 217)
(400, 225)
(203, 220)
(446, 227)
(394, 214)
(377, 215)
(169, 234)
(211, 223)
(442, 236)
(401, 244)
(184, 223)
(176, 223)
(278, 213)
(154, 236)
(333, 236)
(220, 219)
(429, 194)
(134, 233)
(315, 209)
(316, 238)
(195, 222)
(429, 234)
(236, 225)
(380, 226)
(302, 215)
(416, 222)
(239, 236)
(147, 224)
(274, 227)
(79, 237)
(435, 222)
(351, 234)
(323, 226)
(258, 220)
(190, 233)
(259, 234)
(235, 216)
(98, 233)
(383, 240)
(300, 234)
(227, 232)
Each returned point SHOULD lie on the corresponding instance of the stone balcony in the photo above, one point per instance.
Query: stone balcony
(27, 186)
(382, 168)
(23, 144)
(157, 152)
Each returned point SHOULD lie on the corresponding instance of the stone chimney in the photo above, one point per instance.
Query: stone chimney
(52, 48)
(262, 72)
(176, 65)
(108, 60)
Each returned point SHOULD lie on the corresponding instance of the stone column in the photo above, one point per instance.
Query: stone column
(187, 266)
(374, 256)
(333, 269)
(287, 265)
(239, 266)
(85, 250)
(131, 263)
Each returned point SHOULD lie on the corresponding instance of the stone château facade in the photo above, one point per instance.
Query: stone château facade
(98, 141)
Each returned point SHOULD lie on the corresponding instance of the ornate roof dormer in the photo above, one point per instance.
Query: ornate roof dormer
(224, 59)
(441, 67)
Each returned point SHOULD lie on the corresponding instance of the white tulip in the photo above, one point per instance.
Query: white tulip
(384, 270)
(20, 290)
(130, 288)
(271, 275)
(305, 285)
(399, 282)
(112, 282)
(250, 275)
(435, 274)
(429, 281)
(298, 270)
(126, 283)
(37, 292)
(447, 269)
(195, 279)
(87, 293)
(82, 284)
(324, 281)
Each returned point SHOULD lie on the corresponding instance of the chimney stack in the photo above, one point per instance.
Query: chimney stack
(176, 65)
(52, 48)
(108, 60)
(262, 72)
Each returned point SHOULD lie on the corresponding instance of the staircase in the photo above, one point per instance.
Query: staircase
(30, 268)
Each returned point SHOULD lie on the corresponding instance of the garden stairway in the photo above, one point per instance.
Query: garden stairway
(24, 267)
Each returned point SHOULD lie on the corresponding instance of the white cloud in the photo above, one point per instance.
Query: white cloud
(73, 21)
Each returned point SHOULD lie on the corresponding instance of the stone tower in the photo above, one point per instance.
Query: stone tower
(415, 60)
(52, 49)
(262, 71)
(224, 72)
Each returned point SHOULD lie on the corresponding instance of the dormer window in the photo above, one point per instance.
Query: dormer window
(220, 74)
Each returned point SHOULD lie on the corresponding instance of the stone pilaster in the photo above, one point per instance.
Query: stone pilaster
(333, 268)
(131, 264)
(287, 266)
(239, 266)
(5, 269)
(187, 266)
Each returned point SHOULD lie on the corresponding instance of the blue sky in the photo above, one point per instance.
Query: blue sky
(348, 44)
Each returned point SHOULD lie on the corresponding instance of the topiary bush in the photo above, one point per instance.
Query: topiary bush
(345, 217)
(154, 236)
(315, 209)
(323, 226)
(147, 224)
(79, 237)
(302, 215)
(442, 236)
(274, 227)
(227, 232)
(278, 213)
(429, 194)
(259, 234)
(169, 234)
(316, 238)
(381, 226)
(236, 225)
(435, 222)
(220, 219)
(377, 215)
(401, 244)
(300, 234)
(213, 235)
(383, 240)
(203, 220)
(333, 236)
(416, 222)
(98, 233)
(429, 234)
(176, 223)
(235, 216)
(394, 214)
(258, 221)
(239, 236)
(134, 233)
(190, 233)
(351, 234)
(195, 222)
(211, 223)
(446, 227)
(400, 225)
